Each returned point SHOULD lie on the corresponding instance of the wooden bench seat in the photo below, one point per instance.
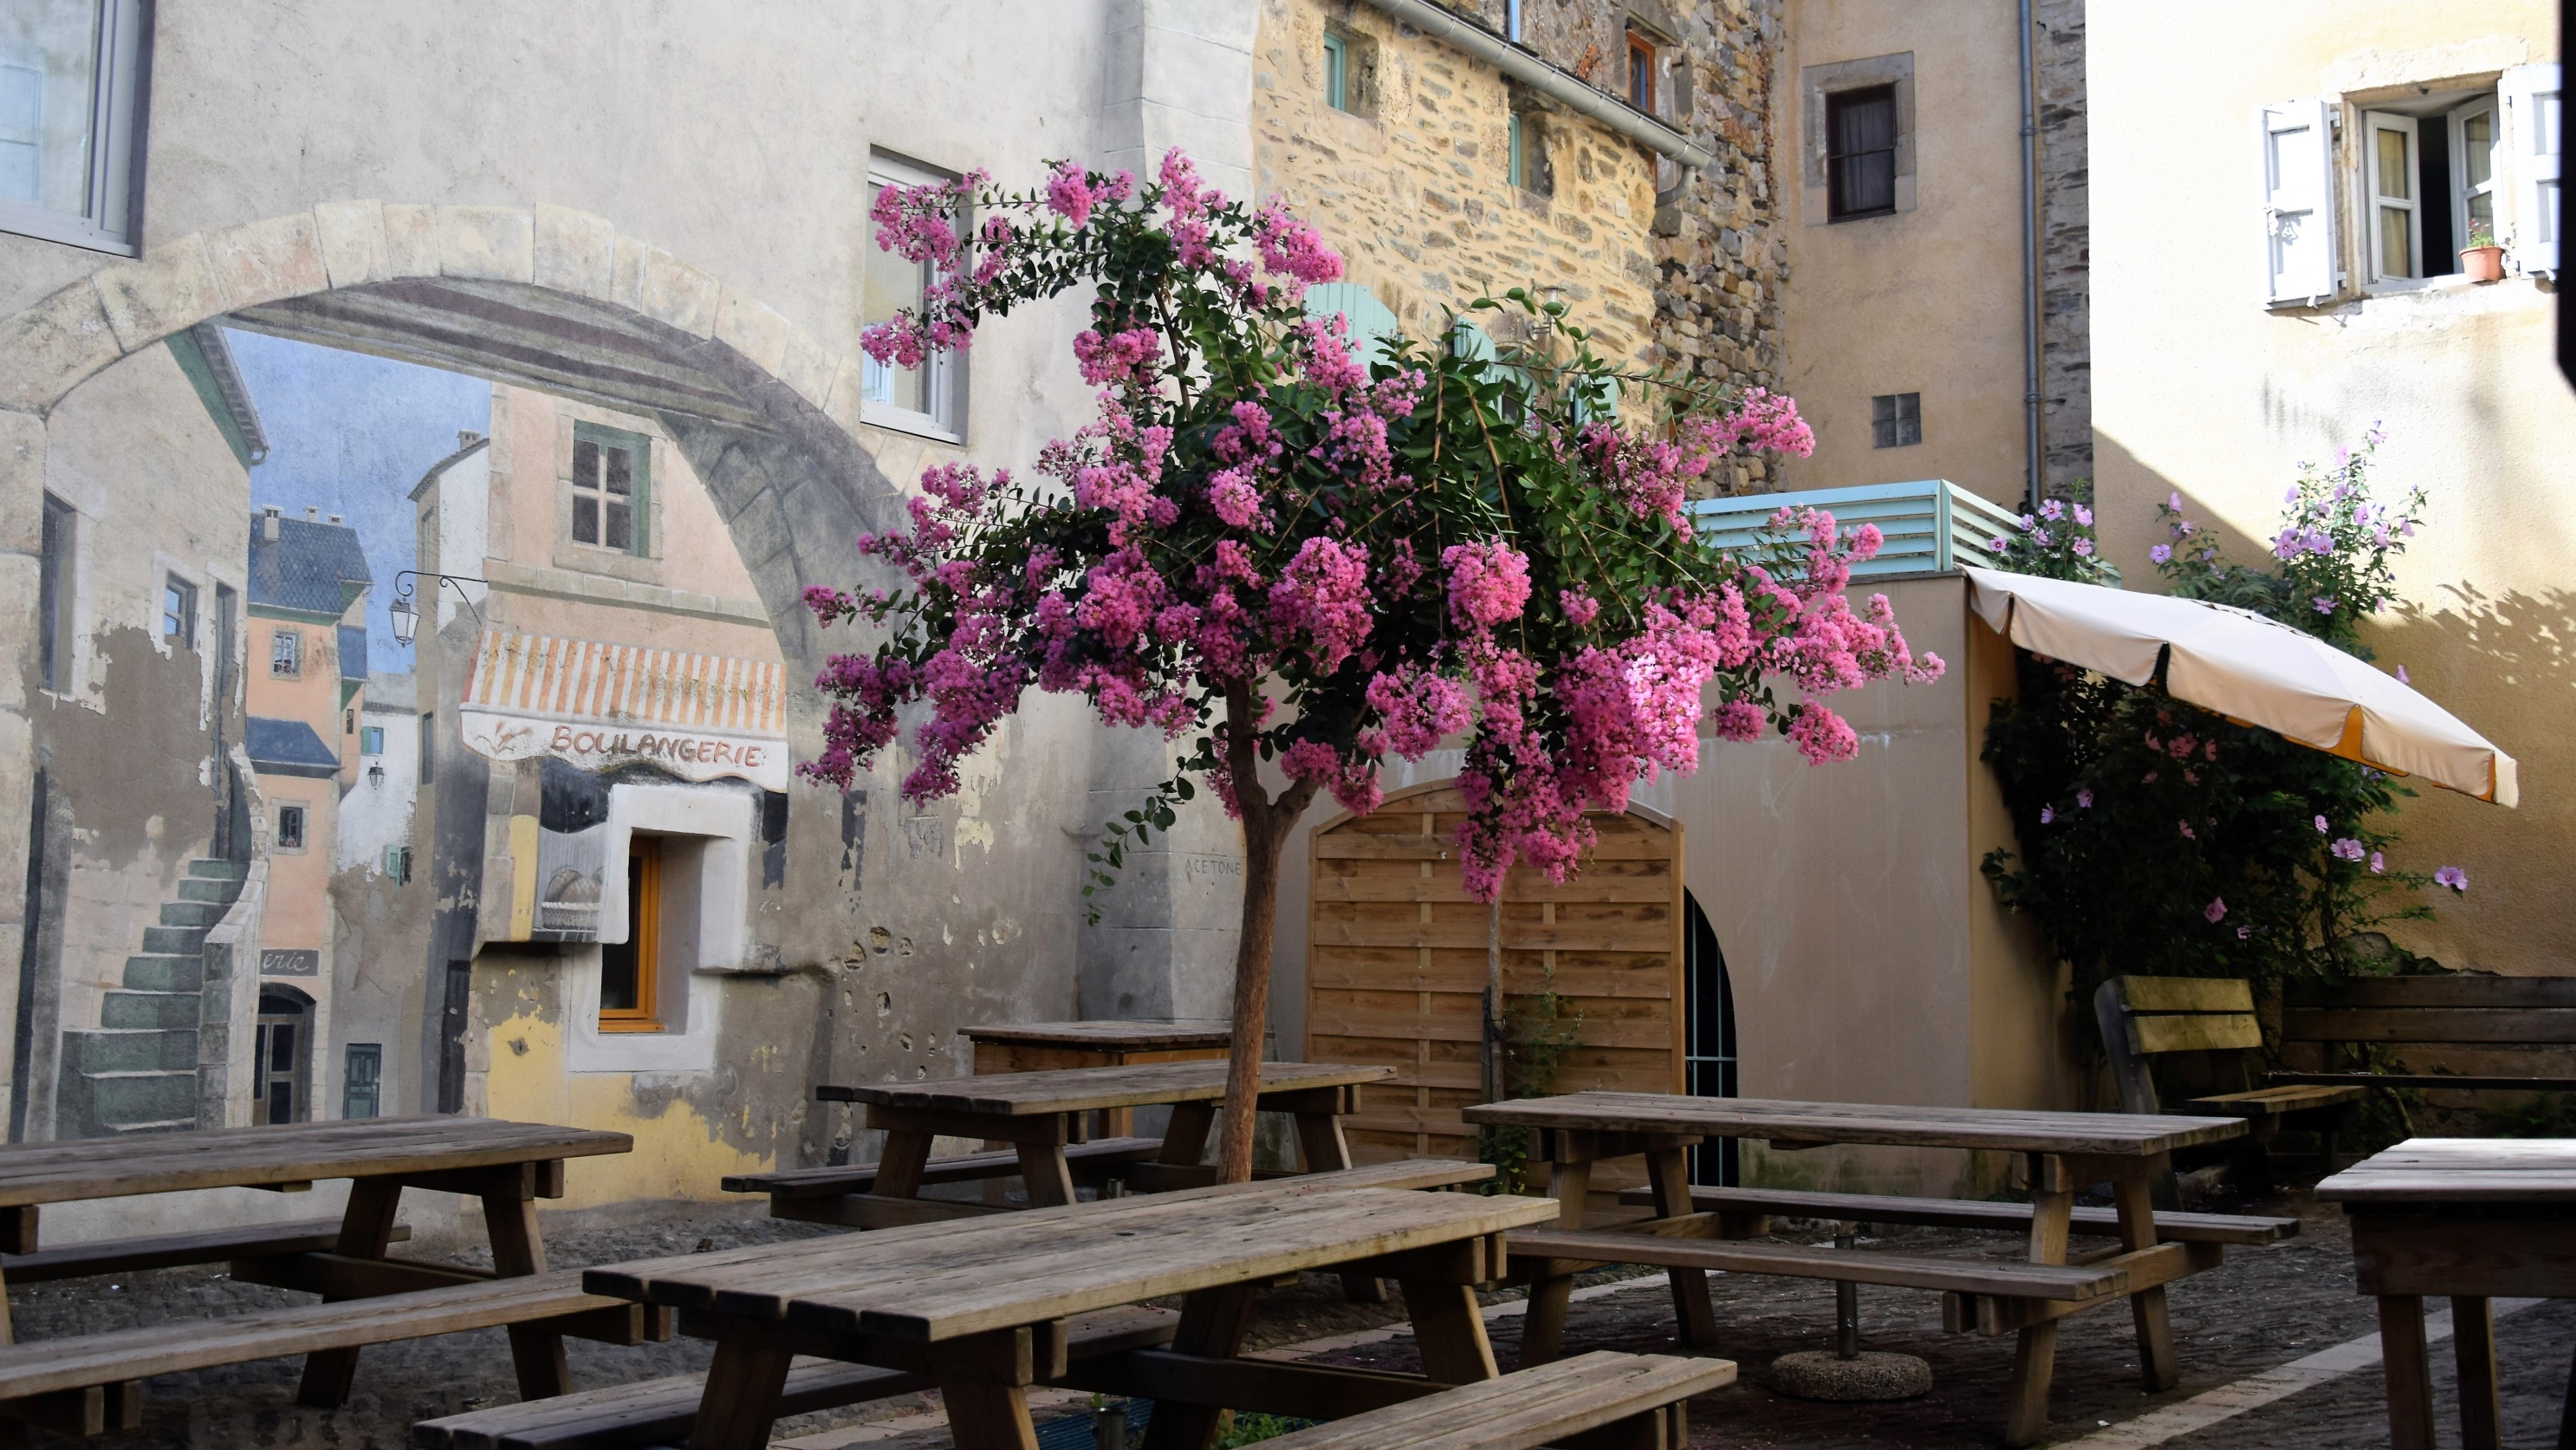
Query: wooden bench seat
(1599, 1401)
(2277, 1101)
(2202, 1228)
(2068, 1283)
(52, 1366)
(165, 1251)
(662, 1411)
(1098, 1156)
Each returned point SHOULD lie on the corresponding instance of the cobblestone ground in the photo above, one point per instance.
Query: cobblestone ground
(2264, 1308)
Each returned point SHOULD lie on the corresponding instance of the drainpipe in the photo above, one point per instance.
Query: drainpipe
(2030, 290)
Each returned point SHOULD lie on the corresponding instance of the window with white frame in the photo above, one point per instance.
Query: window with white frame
(286, 653)
(2426, 174)
(929, 398)
(70, 120)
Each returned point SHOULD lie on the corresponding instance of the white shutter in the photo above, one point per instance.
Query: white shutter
(1371, 324)
(2535, 149)
(2298, 204)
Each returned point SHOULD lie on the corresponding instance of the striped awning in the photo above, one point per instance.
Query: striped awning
(600, 705)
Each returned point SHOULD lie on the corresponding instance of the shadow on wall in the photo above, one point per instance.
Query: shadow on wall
(2506, 664)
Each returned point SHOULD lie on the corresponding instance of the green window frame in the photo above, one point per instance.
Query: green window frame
(1337, 72)
(612, 489)
(1519, 156)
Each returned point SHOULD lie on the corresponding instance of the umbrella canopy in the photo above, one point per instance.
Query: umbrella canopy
(2252, 670)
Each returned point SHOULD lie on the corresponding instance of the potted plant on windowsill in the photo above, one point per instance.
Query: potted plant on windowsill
(2482, 260)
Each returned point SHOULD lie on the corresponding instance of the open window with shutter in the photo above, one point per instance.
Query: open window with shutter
(2298, 204)
(2396, 221)
(2536, 146)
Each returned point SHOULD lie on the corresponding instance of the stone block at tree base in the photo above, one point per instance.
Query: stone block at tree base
(1820, 1374)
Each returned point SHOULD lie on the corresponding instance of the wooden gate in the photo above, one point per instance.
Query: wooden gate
(1397, 963)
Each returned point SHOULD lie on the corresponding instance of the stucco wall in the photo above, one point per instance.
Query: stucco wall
(2204, 392)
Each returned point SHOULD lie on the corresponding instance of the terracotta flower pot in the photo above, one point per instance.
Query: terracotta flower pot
(2483, 264)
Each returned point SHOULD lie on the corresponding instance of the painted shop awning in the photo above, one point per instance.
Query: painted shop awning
(601, 706)
(2250, 669)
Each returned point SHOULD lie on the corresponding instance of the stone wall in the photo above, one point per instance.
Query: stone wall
(2066, 246)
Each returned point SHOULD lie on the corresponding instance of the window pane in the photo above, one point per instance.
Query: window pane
(281, 1048)
(2396, 241)
(621, 525)
(48, 84)
(585, 519)
(1641, 76)
(2395, 175)
(2477, 147)
(290, 826)
(892, 283)
(1860, 132)
(585, 465)
(621, 470)
(2482, 212)
(281, 1102)
(285, 652)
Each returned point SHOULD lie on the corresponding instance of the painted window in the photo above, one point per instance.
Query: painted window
(286, 653)
(361, 1084)
(1860, 153)
(1337, 71)
(54, 594)
(1895, 420)
(70, 126)
(179, 612)
(371, 740)
(428, 732)
(290, 828)
(629, 971)
(611, 488)
(929, 399)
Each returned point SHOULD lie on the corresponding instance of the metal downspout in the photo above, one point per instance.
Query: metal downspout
(2030, 293)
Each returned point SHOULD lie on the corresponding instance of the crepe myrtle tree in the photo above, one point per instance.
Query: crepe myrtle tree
(1295, 557)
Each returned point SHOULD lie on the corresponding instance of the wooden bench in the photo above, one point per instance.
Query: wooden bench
(1667, 1244)
(663, 1411)
(165, 1251)
(1744, 1213)
(42, 1381)
(2210, 1020)
(2485, 1022)
(1599, 1401)
(807, 1193)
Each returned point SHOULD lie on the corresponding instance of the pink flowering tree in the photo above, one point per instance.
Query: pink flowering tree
(1296, 557)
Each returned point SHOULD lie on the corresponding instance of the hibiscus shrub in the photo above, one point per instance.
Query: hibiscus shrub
(1282, 547)
(2158, 839)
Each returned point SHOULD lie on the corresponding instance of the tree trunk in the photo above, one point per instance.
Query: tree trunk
(1266, 824)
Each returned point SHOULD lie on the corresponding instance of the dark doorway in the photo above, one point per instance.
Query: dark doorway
(451, 1037)
(282, 1076)
(1708, 1056)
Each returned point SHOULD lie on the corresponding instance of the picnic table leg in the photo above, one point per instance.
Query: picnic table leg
(2473, 1342)
(899, 1169)
(2409, 1370)
(1450, 1332)
(1551, 1295)
(1049, 1177)
(740, 1403)
(2156, 1363)
(2567, 1411)
(1185, 1137)
(366, 1229)
(1328, 1150)
(2052, 1201)
(1212, 1323)
(1668, 1169)
(536, 1353)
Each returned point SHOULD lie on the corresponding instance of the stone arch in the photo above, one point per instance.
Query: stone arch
(546, 296)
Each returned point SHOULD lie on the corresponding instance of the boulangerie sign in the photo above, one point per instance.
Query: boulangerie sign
(600, 706)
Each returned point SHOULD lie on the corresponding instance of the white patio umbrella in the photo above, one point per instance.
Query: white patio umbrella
(2252, 670)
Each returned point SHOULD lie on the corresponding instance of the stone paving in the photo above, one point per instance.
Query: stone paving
(2266, 1309)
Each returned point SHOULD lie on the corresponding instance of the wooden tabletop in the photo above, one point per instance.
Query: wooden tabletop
(1141, 1034)
(281, 1153)
(938, 1281)
(1082, 1089)
(2004, 1129)
(2460, 1170)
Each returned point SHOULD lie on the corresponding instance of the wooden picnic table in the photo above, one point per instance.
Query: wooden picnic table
(1041, 1113)
(2473, 1219)
(1040, 1046)
(980, 1305)
(2061, 1152)
(508, 1165)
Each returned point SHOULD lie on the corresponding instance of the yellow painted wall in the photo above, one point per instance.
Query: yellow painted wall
(1924, 301)
(2201, 390)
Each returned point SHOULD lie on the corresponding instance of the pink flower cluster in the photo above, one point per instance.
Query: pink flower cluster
(1292, 248)
(1072, 192)
(1488, 584)
(1763, 421)
(1129, 357)
(1323, 595)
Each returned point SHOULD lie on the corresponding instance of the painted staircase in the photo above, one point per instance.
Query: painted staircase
(137, 1071)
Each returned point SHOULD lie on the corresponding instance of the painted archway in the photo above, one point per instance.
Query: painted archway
(1399, 956)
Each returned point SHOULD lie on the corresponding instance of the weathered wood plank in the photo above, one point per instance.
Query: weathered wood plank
(2105, 1134)
(35, 1173)
(2176, 1227)
(1141, 1036)
(2194, 1032)
(2456, 991)
(2460, 1170)
(163, 1251)
(1908, 1271)
(1545, 1405)
(2404, 1024)
(968, 1168)
(1084, 1089)
(2186, 994)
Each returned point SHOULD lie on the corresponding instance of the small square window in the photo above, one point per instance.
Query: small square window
(1895, 420)
(286, 653)
(611, 496)
(1860, 153)
(290, 828)
(371, 740)
(179, 612)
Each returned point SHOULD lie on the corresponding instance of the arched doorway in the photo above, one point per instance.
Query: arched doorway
(1709, 1047)
(1399, 959)
(282, 1056)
